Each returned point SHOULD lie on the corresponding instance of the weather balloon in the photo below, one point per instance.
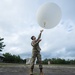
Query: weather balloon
(48, 15)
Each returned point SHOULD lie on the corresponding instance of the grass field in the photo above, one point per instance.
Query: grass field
(22, 69)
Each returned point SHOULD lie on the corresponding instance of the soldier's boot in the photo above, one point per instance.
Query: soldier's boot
(31, 71)
(41, 72)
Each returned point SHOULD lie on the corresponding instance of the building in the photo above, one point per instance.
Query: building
(1, 57)
(28, 60)
(49, 63)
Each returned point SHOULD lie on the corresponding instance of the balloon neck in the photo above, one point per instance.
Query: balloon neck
(44, 24)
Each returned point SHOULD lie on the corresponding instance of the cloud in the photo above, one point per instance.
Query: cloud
(58, 41)
(18, 24)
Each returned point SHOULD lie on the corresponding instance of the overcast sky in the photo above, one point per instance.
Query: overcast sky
(18, 23)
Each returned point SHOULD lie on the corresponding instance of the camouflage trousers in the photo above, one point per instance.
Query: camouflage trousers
(36, 54)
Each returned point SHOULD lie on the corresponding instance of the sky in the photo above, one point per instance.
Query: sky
(18, 23)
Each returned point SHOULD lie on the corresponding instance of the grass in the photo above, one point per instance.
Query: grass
(11, 64)
(17, 64)
(36, 74)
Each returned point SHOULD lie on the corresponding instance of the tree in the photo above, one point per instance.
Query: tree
(45, 61)
(9, 58)
(1, 44)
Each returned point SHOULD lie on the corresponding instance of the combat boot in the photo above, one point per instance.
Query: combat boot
(41, 72)
(31, 72)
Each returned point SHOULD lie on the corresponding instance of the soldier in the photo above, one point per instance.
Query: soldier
(36, 53)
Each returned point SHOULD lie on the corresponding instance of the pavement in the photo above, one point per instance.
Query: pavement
(21, 69)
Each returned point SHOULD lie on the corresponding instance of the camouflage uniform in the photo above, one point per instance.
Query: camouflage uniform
(36, 53)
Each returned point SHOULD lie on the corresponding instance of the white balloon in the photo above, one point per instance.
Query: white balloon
(48, 15)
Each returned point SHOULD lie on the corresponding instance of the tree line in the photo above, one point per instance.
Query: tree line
(9, 58)
(58, 61)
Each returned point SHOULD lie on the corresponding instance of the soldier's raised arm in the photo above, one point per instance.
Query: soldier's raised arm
(34, 43)
(39, 35)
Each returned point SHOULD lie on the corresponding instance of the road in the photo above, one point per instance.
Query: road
(21, 69)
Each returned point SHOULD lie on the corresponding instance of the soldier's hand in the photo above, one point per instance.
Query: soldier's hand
(41, 31)
(39, 40)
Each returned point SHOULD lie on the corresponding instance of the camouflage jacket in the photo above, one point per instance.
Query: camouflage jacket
(35, 43)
